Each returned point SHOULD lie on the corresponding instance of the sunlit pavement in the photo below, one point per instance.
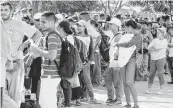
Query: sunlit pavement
(145, 100)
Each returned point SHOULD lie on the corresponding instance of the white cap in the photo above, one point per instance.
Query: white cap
(115, 21)
(82, 22)
(59, 16)
(163, 31)
(37, 15)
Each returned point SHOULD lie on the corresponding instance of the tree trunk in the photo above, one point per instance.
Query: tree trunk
(35, 6)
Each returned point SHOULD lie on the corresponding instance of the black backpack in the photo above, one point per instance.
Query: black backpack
(29, 104)
(70, 61)
(105, 45)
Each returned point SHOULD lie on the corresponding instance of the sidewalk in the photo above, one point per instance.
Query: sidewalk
(145, 100)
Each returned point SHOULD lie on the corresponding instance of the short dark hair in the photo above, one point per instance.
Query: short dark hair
(7, 3)
(66, 26)
(108, 18)
(102, 15)
(132, 24)
(118, 16)
(167, 18)
(49, 16)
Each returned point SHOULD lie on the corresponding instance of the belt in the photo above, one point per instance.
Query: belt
(52, 77)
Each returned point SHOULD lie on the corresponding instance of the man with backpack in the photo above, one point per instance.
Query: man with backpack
(113, 77)
(51, 52)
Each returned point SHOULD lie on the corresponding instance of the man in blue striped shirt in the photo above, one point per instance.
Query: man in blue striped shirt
(51, 51)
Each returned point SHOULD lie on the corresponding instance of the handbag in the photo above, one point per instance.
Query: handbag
(140, 74)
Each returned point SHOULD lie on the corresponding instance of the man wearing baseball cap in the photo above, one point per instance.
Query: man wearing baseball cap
(113, 75)
(37, 20)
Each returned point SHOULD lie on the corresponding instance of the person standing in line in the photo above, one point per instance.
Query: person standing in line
(51, 52)
(147, 38)
(86, 59)
(70, 86)
(17, 29)
(113, 76)
(170, 53)
(92, 31)
(35, 71)
(6, 62)
(157, 48)
(128, 71)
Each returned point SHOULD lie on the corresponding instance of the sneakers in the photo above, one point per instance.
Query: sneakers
(136, 106)
(127, 106)
(84, 99)
(148, 91)
(160, 92)
(117, 102)
(109, 101)
(94, 101)
(170, 82)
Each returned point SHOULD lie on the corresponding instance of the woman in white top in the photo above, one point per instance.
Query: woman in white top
(157, 48)
(86, 57)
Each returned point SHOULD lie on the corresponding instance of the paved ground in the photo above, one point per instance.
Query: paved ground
(145, 100)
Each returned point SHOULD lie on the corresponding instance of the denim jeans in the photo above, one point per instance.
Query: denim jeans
(87, 80)
(170, 65)
(157, 65)
(67, 91)
(96, 70)
(146, 60)
(16, 83)
(113, 79)
(128, 74)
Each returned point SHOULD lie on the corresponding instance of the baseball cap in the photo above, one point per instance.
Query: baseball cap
(82, 23)
(163, 31)
(37, 15)
(115, 21)
(59, 16)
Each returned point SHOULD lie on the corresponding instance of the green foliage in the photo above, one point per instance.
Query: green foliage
(158, 5)
(66, 6)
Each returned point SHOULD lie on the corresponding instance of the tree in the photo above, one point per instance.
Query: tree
(165, 6)
(64, 6)
(111, 7)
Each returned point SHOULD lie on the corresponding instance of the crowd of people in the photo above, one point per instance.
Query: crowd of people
(58, 60)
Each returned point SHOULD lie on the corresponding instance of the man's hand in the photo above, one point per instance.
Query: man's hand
(152, 49)
(9, 64)
(34, 49)
(24, 45)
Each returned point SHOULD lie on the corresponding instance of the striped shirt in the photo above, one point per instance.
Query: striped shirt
(48, 66)
(136, 40)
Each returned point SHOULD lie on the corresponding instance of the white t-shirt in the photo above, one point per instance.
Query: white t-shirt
(160, 46)
(17, 30)
(70, 38)
(85, 40)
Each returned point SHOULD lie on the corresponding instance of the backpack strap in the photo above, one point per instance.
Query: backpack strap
(53, 32)
(77, 43)
(113, 38)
